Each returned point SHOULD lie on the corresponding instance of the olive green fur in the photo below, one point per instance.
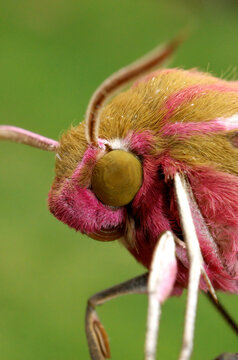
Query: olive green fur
(143, 107)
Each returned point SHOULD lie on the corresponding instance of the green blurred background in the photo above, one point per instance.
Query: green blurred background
(53, 54)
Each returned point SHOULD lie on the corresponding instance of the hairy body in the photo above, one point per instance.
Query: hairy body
(172, 120)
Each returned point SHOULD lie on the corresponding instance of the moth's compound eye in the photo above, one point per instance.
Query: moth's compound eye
(117, 177)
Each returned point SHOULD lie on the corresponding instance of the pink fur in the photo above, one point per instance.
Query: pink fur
(183, 130)
(77, 206)
(216, 194)
(91, 155)
(217, 197)
(140, 143)
(155, 211)
(149, 210)
(81, 210)
(191, 92)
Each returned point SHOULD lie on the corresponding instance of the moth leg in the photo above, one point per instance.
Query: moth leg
(98, 342)
(224, 313)
(227, 356)
(160, 284)
(196, 264)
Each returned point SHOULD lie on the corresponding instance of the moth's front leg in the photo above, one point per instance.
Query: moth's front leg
(161, 280)
(196, 264)
(227, 356)
(158, 287)
(96, 335)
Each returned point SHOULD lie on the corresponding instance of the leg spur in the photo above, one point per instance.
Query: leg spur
(96, 335)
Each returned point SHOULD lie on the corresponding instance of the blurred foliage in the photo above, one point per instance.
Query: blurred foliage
(53, 54)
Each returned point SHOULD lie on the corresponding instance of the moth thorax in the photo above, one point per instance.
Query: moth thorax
(117, 177)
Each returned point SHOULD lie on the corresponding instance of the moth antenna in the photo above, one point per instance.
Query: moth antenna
(26, 137)
(210, 288)
(121, 78)
(224, 313)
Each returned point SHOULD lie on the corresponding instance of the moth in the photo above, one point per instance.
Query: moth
(156, 168)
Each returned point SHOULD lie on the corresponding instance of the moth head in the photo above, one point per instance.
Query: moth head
(94, 183)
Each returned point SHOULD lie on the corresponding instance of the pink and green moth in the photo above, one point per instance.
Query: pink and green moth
(155, 168)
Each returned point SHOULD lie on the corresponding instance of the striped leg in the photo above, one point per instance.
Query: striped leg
(96, 335)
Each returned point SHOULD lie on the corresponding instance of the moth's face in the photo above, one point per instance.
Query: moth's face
(93, 199)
